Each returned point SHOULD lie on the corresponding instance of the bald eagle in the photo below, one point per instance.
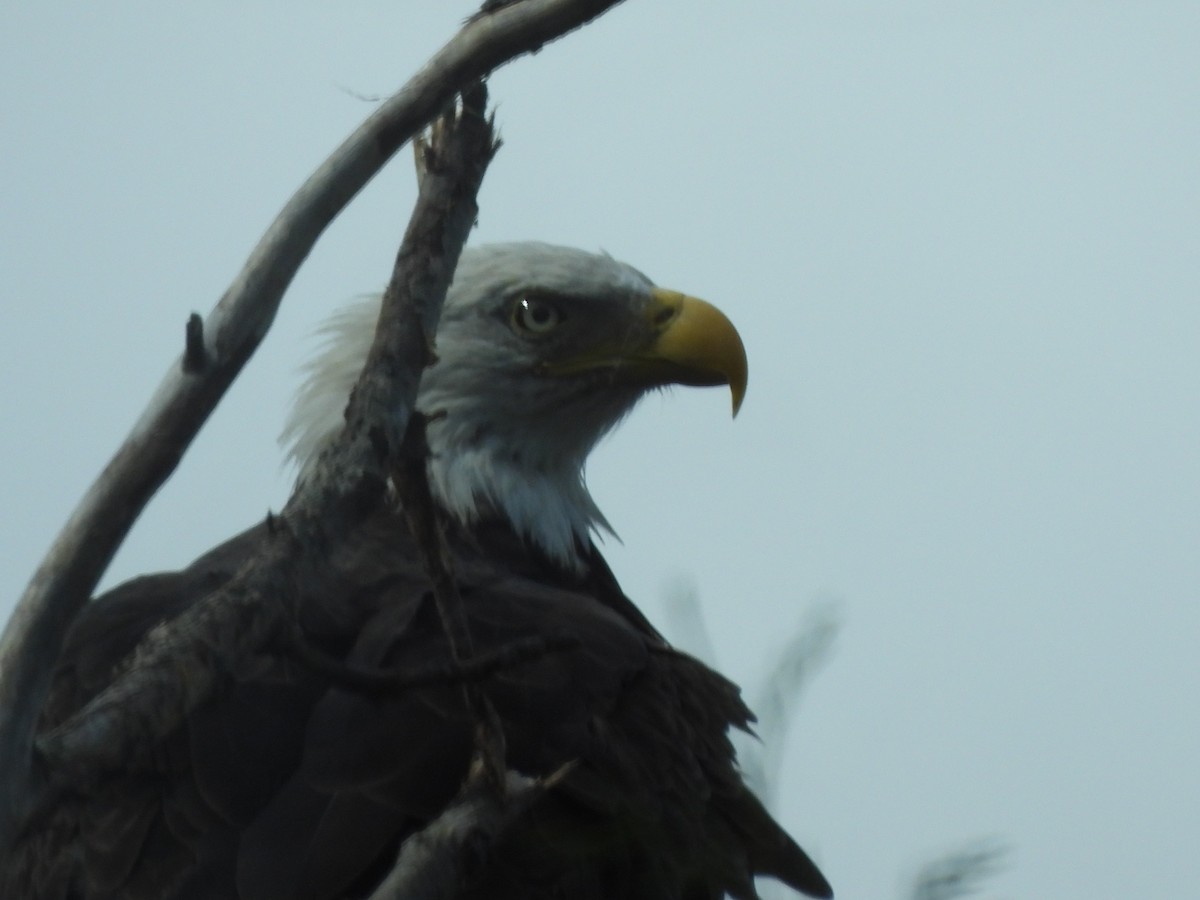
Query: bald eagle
(287, 785)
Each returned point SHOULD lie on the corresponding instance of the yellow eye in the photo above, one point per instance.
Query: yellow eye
(536, 316)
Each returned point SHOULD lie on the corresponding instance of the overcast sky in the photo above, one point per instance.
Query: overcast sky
(960, 240)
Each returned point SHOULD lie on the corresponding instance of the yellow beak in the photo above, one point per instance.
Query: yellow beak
(675, 339)
(694, 343)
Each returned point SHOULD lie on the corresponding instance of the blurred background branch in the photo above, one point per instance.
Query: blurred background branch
(775, 700)
(961, 872)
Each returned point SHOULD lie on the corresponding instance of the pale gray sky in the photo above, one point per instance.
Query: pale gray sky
(960, 241)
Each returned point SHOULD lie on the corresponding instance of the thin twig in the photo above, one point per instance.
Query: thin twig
(384, 683)
(411, 479)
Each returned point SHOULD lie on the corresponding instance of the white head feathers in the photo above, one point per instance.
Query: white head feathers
(507, 442)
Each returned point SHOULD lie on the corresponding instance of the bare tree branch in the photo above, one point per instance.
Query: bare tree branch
(214, 355)
(436, 862)
(152, 696)
(960, 873)
(775, 700)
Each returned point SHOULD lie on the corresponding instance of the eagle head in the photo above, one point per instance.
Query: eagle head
(541, 350)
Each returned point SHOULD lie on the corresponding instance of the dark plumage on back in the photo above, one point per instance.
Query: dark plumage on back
(286, 786)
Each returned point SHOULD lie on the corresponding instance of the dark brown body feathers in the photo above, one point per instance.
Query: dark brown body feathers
(284, 786)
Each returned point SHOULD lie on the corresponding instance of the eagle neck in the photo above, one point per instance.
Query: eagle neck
(545, 501)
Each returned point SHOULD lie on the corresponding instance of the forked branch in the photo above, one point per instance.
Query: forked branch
(151, 697)
(215, 354)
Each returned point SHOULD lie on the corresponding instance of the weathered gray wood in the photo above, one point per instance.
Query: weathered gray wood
(436, 862)
(189, 393)
(175, 668)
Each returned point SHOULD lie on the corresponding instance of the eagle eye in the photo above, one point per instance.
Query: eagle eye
(536, 315)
